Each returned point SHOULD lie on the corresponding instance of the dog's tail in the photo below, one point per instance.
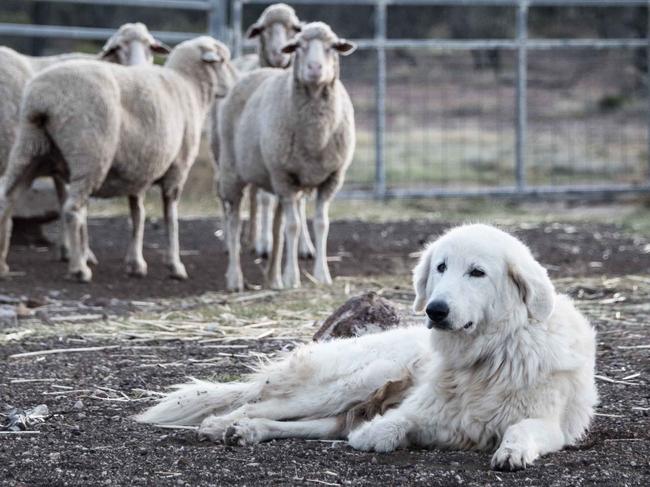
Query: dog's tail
(191, 403)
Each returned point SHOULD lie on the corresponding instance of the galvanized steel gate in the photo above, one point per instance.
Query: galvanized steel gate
(224, 21)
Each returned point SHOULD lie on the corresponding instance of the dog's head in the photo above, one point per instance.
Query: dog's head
(476, 277)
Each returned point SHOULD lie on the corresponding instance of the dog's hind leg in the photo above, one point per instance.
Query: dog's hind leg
(213, 427)
(249, 431)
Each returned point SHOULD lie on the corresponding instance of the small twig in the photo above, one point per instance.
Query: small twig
(614, 381)
(322, 482)
(20, 432)
(21, 381)
(62, 350)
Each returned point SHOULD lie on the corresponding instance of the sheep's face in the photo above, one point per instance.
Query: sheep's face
(132, 45)
(316, 54)
(273, 38)
(215, 57)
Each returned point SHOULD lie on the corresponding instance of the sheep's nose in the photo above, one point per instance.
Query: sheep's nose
(437, 311)
(314, 67)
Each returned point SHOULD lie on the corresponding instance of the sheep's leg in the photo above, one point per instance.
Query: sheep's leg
(135, 264)
(291, 275)
(7, 201)
(64, 244)
(16, 180)
(170, 206)
(74, 212)
(305, 246)
(234, 276)
(321, 230)
(264, 240)
(91, 258)
(251, 228)
(273, 274)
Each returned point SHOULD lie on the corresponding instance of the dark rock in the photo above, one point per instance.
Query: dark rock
(368, 313)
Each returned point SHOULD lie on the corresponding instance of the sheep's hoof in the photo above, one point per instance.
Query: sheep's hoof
(136, 269)
(64, 254)
(261, 254)
(4, 271)
(306, 254)
(323, 277)
(91, 258)
(178, 272)
(81, 275)
(276, 284)
(291, 283)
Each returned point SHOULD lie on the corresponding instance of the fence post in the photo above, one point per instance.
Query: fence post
(217, 20)
(521, 93)
(380, 99)
(236, 28)
(647, 80)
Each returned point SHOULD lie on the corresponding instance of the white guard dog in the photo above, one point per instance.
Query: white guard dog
(504, 363)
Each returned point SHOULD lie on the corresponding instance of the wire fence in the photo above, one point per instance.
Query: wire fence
(498, 111)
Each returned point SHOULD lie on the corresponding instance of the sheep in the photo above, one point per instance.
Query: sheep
(131, 44)
(276, 25)
(287, 131)
(115, 131)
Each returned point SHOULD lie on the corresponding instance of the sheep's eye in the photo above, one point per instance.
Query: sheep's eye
(476, 273)
(442, 267)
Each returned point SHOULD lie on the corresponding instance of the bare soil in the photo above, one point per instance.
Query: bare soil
(358, 248)
(95, 443)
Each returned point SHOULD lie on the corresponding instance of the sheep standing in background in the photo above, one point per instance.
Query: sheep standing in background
(132, 44)
(276, 25)
(115, 131)
(287, 131)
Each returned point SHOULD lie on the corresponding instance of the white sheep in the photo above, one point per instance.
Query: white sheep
(115, 131)
(277, 24)
(130, 45)
(287, 131)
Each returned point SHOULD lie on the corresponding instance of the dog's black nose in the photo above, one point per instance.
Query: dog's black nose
(437, 311)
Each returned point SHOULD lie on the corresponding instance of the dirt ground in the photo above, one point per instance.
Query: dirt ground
(355, 248)
(93, 442)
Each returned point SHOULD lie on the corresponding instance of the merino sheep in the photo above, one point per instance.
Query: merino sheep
(277, 24)
(287, 131)
(115, 131)
(130, 45)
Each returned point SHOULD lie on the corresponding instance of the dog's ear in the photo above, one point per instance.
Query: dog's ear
(532, 284)
(420, 279)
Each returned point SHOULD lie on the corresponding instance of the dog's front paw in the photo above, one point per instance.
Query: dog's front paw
(512, 457)
(244, 432)
(381, 436)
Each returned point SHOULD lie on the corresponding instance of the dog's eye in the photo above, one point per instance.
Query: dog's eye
(477, 273)
(442, 267)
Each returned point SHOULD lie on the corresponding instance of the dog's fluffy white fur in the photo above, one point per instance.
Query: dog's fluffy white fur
(510, 368)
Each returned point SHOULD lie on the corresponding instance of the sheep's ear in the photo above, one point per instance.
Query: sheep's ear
(254, 30)
(109, 48)
(420, 279)
(160, 47)
(345, 47)
(211, 57)
(533, 286)
(290, 47)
